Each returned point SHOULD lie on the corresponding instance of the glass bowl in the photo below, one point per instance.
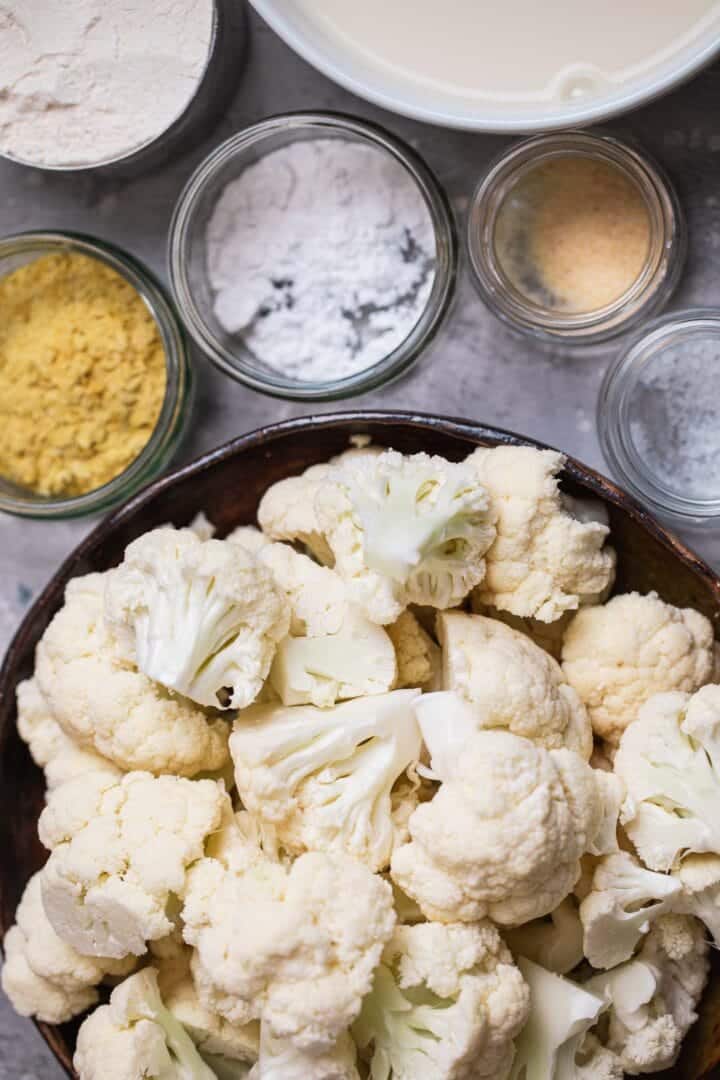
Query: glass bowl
(504, 199)
(187, 255)
(658, 416)
(17, 251)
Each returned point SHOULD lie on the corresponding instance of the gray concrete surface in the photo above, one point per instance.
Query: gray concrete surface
(477, 369)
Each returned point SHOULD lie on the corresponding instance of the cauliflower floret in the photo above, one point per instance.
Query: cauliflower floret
(504, 834)
(332, 651)
(669, 759)
(51, 749)
(419, 659)
(624, 900)
(547, 635)
(103, 703)
(204, 617)
(120, 851)
(652, 999)
(405, 529)
(561, 1015)
(324, 777)
(621, 653)
(699, 876)
(287, 511)
(280, 1059)
(446, 1004)
(555, 942)
(294, 947)
(511, 683)
(544, 561)
(136, 1036)
(44, 976)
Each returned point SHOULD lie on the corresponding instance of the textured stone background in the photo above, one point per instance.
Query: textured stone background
(477, 369)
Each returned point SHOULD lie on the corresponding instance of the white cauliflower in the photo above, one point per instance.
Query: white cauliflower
(280, 1059)
(554, 942)
(287, 511)
(419, 659)
(699, 876)
(511, 682)
(104, 704)
(405, 529)
(204, 617)
(561, 1015)
(332, 651)
(120, 850)
(504, 834)
(548, 635)
(544, 561)
(42, 975)
(652, 999)
(623, 902)
(619, 654)
(446, 1004)
(214, 1036)
(294, 947)
(324, 777)
(137, 1036)
(51, 749)
(669, 759)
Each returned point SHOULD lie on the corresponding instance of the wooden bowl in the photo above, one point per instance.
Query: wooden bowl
(227, 484)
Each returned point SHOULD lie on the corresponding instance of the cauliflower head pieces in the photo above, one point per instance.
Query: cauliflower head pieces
(325, 777)
(504, 834)
(447, 1003)
(120, 850)
(204, 616)
(619, 654)
(103, 703)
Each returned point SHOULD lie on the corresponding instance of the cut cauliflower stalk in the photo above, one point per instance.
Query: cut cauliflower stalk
(105, 704)
(294, 947)
(405, 530)
(136, 1036)
(652, 1000)
(42, 975)
(561, 1015)
(204, 617)
(325, 777)
(511, 683)
(544, 561)
(620, 654)
(120, 850)
(623, 902)
(555, 942)
(669, 759)
(504, 834)
(447, 1003)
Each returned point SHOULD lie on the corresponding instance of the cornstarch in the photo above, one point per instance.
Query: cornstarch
(92, 80)
(322, 257)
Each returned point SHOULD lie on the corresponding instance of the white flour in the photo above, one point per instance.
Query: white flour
(322, 257)
(88, 80)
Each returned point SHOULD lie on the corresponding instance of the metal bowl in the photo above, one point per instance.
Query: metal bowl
(228, 484)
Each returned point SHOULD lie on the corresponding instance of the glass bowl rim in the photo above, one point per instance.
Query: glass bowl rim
(619, 381)
(420, 335)
(178, 385)
(646, 296)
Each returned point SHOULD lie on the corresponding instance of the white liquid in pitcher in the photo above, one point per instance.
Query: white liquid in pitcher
(517, 50)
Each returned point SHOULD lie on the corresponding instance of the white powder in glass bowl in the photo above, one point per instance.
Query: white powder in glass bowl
(321, 256)
(88, 81)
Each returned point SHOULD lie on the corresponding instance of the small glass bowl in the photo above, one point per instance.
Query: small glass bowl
(524, 310)
(187, 254)
(17, 251)
(659, 418)
(215, 89)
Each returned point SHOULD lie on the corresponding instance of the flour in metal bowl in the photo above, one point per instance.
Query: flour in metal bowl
(321, 257)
